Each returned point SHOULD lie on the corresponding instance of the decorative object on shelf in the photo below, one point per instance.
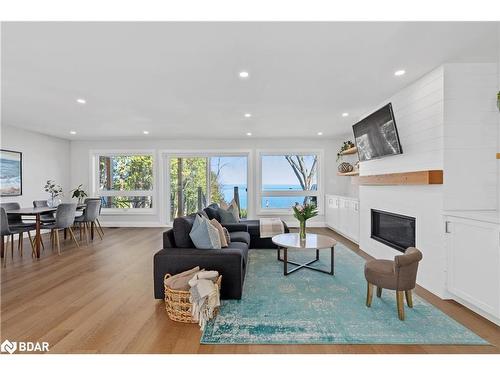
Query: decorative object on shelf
(79, 193)
(345, 167)
(346, 146)
(303, 213)
(55, 191)
(498, 100)
(11, 173)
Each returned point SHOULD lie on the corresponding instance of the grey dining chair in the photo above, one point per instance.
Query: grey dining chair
(14, 220)
(65, 216)
(97, 222)
(9, 231)
(89, 217)
(44, 218)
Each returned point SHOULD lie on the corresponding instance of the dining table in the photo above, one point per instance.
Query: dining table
(36, 212)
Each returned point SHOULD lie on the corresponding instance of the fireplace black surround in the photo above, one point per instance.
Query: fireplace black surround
(394, 230)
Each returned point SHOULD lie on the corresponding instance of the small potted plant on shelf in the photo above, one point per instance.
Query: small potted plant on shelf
(79, 193)
(303, 212)
(55, 191)
(344, 167)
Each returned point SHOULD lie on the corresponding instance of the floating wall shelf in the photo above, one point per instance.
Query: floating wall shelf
(431, 177)
(353, 173)
(350, 151)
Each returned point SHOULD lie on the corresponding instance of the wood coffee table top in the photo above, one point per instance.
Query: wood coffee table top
(312, 241)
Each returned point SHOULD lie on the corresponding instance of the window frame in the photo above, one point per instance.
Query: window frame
(167, 155)
(288, 193)
(96, 191)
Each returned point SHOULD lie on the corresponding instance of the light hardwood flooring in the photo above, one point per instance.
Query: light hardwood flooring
(99, 299)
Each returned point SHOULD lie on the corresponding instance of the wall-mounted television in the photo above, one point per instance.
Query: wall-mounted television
(376, 135)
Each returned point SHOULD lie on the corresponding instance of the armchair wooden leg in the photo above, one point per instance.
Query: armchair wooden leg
(401, 306)
(409, 298)
(369, 294)
(73, 236)
(379, 292)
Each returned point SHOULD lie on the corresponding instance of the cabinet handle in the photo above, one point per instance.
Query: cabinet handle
(446, 228)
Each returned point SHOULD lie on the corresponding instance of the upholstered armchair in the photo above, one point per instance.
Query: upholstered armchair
(399, 274)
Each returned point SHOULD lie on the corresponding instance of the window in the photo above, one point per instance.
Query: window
(125, 181)
(287, 179)
(197, 181)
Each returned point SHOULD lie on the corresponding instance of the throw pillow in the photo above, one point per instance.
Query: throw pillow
(234, 209)
(226, 234)
(226, 217)
(220, 228)
(202, 213)
(224, 205)
(204, 235)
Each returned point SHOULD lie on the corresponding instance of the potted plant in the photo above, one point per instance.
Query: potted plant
(302, 213)
(346, 146)
(55, 191)
(79, 193)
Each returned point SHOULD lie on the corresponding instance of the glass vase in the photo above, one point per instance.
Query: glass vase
(53, 201)
(302, 232)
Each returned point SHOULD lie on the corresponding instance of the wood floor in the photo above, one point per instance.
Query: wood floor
(99, 299)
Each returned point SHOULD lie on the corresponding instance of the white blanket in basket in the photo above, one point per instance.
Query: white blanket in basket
(271, 226)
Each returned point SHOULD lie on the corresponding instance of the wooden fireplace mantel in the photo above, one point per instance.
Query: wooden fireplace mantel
(431, 177)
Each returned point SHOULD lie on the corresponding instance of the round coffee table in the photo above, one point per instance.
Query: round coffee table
(311, 242)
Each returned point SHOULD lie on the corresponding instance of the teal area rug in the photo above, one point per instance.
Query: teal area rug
(309, 307)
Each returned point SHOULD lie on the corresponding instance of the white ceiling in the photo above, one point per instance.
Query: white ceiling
(180, 80)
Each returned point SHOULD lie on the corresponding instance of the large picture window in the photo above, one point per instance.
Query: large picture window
(198, 180)
(125, 180)
(287, 179)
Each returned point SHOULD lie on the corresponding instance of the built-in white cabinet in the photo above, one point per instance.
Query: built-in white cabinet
(342, 215)
(473, 264)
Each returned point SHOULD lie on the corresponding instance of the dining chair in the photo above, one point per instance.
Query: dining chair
(98, 226)
(9, 231)
(65, 216)
(89, 217)
(14, 219)
(44, 218)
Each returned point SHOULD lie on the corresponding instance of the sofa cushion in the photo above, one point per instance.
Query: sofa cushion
(204, 235)
(213, 212)
(182, 226)
(240, 237)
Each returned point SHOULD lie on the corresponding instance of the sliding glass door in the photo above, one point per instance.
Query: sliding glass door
(197, 181)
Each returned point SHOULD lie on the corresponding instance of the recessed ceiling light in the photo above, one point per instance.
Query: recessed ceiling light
(72, 132)
(399, 72)
(81, 101)
(244, 74)
(146, 132)
(248, 115)
(345, 114)
(249, 134)
(320, 133)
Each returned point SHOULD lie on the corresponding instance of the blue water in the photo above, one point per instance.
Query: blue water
(267, 202)
(10, 176)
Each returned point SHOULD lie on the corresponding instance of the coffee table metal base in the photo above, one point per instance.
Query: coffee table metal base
(286, 262)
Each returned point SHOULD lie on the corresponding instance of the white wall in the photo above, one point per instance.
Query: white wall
(80, 164)
(418, 110)
(44, 157)
(470, 136)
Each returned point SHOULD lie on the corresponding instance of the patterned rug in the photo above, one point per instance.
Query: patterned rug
(309, 307)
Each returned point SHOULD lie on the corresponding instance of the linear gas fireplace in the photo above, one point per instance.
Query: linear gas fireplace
(394, 230)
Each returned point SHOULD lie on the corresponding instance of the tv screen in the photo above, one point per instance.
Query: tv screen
(376, 135)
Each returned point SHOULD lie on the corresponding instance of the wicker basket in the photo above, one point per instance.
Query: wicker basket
(178, 305)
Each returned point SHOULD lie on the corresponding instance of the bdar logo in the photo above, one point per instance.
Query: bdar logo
(8, 346)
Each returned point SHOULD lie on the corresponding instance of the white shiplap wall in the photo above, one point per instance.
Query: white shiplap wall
(470, 136)
(418, 110)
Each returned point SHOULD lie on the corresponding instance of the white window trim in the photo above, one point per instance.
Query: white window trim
(94, 178)
(288, 211)
(166, 155)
